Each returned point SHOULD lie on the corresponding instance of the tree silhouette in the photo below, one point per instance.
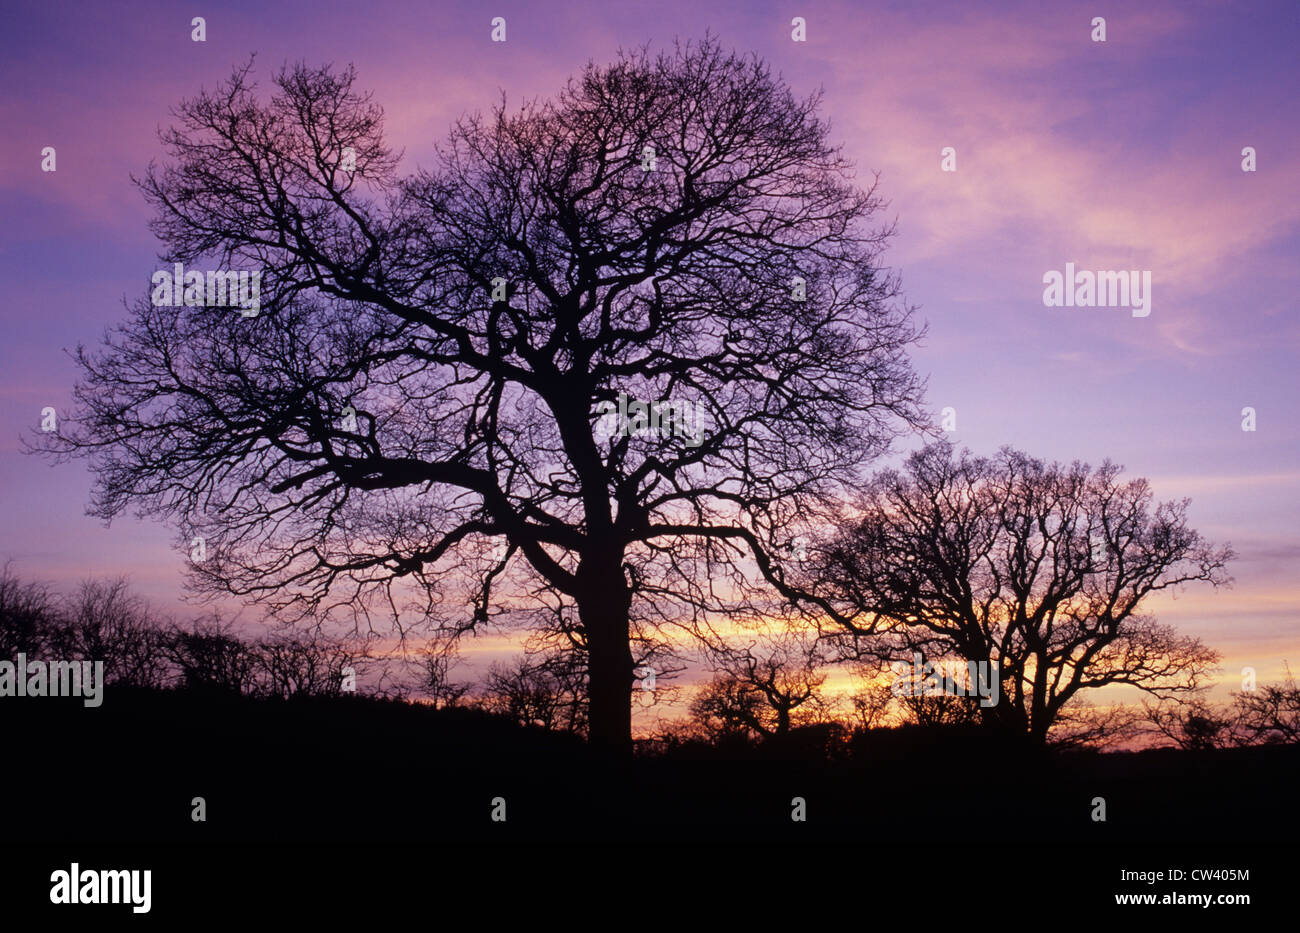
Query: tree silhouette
(209, 656)
(942, 709)
(298, 665)
(759, 692)
(1079, 725)
(1270, 714)
(105, 621)
(29, 616)
(1040, 568)
(425, 409)
(1191, 724)
(436, 666)
(541, 690)
(869, 706)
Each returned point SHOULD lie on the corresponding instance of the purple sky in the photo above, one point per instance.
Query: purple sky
(1117, 155)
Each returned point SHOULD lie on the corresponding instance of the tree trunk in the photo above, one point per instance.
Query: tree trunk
(1006, 715)
(782, 720)
(603, 608)
(1039, 721)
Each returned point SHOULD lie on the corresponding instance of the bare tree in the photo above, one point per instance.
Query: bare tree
(547, 691)
(427, 401)
(1038, 568)
(1191, 724)
(1080, 726)
(105, 621)
(870, 706)
(29, 616)
(763, 691)
(726, 707)
(210, 656)
(438, 685)
(1269, 714)
(297, 665)
(940, 709)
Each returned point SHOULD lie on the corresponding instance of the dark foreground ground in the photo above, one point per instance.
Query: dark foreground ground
(317, 787)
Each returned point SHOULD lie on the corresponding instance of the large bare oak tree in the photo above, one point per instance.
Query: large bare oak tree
(423, 403)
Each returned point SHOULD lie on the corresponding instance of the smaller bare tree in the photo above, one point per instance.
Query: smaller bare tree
(763, 691)
(727, 707)
(1269, 715)
(871, 706)
(1041, 569)
(29, 616)
(1192, 724)
(210, 656)
(942, 709)
(1082, 726)
(547, 690)
(436, 665)
(105, 621)
(299, 665)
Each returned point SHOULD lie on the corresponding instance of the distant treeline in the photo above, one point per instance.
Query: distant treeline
(773, 700)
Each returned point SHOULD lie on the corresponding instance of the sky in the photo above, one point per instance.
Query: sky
(1117, 155)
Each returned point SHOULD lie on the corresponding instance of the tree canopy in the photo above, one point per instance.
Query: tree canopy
(418, 415)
